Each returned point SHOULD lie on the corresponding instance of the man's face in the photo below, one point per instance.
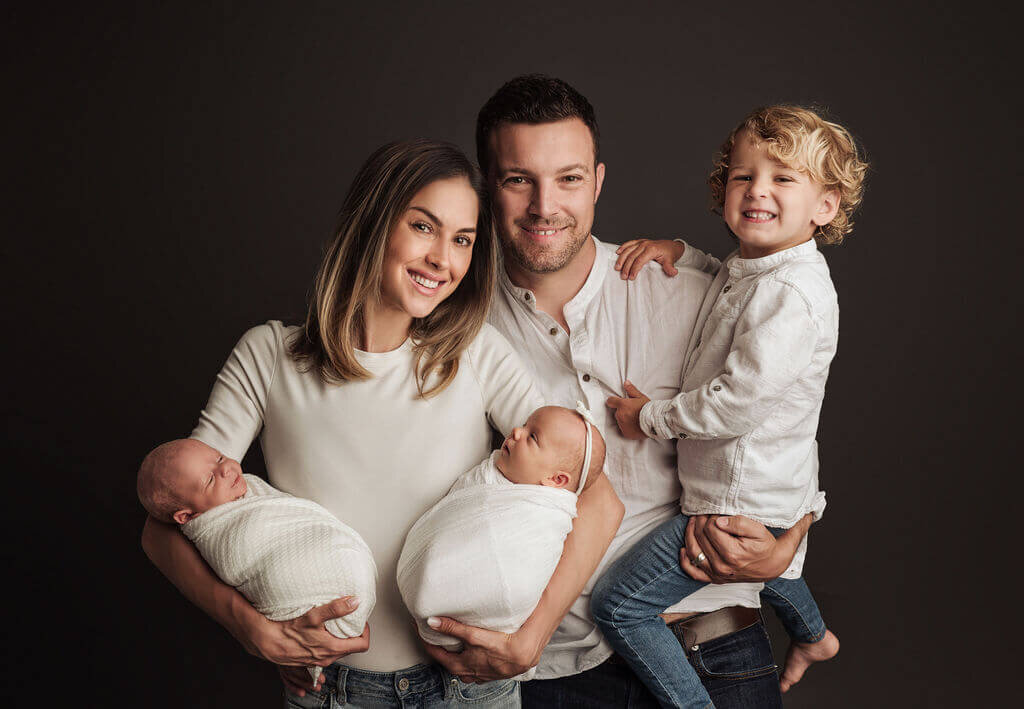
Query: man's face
(544, 184)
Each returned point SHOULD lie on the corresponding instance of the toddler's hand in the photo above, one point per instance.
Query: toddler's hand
(634, 254)
(627, 411)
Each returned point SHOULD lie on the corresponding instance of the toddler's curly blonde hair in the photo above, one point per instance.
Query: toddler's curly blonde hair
(801, 139)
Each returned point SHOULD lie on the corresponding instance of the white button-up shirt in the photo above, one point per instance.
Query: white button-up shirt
(637, 330)
(747, 411)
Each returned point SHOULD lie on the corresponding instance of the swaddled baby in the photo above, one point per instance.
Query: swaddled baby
(484, 554)
(283, 553)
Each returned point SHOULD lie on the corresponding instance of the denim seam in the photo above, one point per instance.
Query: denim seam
(815, 637)
(497, 694)
(615, 616)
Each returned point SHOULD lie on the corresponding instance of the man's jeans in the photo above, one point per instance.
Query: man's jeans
(644, 582)
(421, 686)
(737, 670)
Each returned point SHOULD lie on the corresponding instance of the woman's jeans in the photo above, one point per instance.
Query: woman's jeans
(645, 581)
(421, 686)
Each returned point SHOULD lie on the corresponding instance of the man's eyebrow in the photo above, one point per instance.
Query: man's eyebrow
(433, 218)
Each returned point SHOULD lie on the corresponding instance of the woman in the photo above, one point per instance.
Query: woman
(373, 408)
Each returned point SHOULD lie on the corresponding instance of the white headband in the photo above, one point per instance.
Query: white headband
(588, 421)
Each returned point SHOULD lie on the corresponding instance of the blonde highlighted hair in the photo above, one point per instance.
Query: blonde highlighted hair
(801, 139)
(350, 273)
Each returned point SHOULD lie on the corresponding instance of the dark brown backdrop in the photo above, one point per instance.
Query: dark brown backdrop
(172, 173)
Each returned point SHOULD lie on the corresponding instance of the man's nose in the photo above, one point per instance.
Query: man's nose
(543, 203)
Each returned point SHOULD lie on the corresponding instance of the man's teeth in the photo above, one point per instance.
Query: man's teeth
(759, 215)
(544, 232)
(426, 282)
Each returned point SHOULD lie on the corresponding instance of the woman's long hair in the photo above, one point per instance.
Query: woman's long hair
(351, 271)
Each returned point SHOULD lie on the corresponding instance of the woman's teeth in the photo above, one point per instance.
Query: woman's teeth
(425, 282)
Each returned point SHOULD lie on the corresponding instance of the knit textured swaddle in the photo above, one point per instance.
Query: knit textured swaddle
(287, 555)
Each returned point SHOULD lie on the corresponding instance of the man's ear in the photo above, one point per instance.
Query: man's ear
(598, 179)
(828, 208)
(559, 479)
(182, 516)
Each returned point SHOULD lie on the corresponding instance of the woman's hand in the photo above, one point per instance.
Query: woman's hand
(634, 254)
(304, 641)
(737, 548)
(486, 655)
(298, 681)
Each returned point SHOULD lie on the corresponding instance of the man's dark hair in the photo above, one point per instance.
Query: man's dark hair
(532, 98)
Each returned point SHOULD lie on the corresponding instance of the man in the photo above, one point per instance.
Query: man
(585, 331)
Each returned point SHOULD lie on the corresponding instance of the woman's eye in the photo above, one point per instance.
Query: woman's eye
(463, 241)
(421, 227)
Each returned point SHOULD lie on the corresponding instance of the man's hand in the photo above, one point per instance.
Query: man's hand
(486, 655)
(737, 548)
(304, 641)
(627, 411)
(634, 254)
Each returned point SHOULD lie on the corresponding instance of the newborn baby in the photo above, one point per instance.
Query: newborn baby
(484, 554)
(285, 554)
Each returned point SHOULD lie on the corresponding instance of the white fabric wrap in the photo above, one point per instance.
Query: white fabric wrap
(287, 555)
(484, 554)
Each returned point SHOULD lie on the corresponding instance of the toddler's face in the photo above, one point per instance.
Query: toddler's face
(539, 449)
(204, 479)
(769, 206)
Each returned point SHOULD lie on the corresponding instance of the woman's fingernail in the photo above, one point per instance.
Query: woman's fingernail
(433, 622)
(352, 602)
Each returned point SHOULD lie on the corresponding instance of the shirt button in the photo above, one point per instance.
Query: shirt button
(528, 297)
(724, 290)
(717, 387)
(682, 435)
(553, 331)
(586, 377)
(403, 684)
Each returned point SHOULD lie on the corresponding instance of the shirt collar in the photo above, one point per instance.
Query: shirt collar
(740, 267)
(525, 297)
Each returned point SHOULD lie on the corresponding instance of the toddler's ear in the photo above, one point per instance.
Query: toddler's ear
(559, 479)
(828, 208)
(183, 516)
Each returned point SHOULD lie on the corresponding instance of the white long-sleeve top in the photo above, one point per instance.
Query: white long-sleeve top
(618, 330)
(747, 411)
(371, 452)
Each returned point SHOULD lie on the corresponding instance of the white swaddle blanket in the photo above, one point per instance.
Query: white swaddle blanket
(484, 554)
(287, 555)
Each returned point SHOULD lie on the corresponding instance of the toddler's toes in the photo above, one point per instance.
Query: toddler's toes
(801, 655)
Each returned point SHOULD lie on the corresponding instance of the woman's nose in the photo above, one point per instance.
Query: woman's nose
(438, 254)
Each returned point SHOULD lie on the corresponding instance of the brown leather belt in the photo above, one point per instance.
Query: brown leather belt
(692, 632)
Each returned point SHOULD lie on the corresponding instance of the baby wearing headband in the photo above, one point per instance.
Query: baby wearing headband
(484, 554)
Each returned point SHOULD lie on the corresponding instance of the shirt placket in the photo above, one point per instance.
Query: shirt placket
(581, 354)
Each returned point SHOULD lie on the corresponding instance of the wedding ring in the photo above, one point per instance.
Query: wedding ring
(699, 559)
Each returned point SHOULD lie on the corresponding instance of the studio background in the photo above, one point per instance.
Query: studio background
(172, 174)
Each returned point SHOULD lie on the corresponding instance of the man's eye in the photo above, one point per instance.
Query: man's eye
(515, 181)
(573, 178)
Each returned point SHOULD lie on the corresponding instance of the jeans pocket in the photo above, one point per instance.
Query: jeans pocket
(746, 653)
(313, 700)
(502, 692)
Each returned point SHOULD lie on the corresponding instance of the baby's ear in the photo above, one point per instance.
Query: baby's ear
(183, 516)
(559, 479)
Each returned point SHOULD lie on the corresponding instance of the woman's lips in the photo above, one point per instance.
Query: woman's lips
(424, 284)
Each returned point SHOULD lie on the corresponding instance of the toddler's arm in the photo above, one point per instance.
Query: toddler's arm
(774, 341)
(672, 255)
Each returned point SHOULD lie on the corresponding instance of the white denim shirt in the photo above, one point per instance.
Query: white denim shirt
(747, 411)
(618, 330)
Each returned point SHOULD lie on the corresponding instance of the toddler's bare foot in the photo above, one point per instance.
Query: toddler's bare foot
(802, 655)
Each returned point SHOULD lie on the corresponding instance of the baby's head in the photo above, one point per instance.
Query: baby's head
(549, 450)
(785, 174)
(182, 479)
